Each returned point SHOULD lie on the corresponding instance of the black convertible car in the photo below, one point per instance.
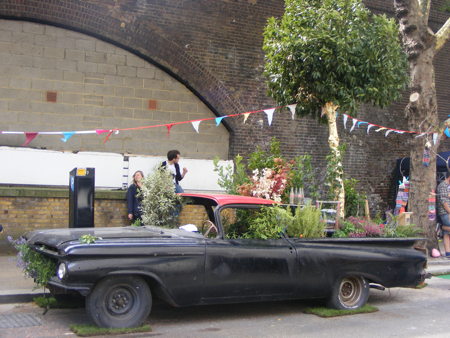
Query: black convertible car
(124, 268)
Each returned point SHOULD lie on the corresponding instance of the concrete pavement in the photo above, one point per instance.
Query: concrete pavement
(14, 286)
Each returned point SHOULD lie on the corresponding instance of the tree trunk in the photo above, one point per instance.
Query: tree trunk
(333, 141)
(421, 112)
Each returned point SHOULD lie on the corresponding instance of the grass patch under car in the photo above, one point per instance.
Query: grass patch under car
(84, 330)
(53, 303)
(327, 312)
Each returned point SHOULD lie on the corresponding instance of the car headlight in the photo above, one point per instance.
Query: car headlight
(62, 270)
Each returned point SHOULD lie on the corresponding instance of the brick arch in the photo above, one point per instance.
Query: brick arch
(130, 31)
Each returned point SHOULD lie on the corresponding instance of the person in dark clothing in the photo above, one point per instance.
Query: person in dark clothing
(133, 200)
(173, 157)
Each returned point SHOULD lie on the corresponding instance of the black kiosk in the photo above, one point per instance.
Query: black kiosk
(81, 198)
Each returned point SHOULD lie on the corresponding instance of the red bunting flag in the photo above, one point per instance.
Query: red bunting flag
(28, 138)
(168, 126)
(107, 136)
(101, 131)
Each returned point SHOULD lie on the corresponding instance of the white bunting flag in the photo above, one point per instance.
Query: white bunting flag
(292, 109)
(388, 132)
(368, 128)
(246, 115)
(269, 113)
(420, 135)
(196, 124)
(345, 120)
(354, 124)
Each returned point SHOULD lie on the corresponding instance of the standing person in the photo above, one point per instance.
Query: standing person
(173, 157)
(444, 210)
(133, 200)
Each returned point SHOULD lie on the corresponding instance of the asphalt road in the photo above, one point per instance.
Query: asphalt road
(402, 313)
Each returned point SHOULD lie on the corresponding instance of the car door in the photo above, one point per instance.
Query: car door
(237, 268)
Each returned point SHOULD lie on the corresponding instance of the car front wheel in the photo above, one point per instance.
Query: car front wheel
(349, 293)
(119, 302)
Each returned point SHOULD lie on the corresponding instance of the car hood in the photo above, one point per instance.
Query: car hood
(57, 237)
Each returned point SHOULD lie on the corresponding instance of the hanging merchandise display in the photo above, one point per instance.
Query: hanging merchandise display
(402, 196)
(432, 206)
(426, 155)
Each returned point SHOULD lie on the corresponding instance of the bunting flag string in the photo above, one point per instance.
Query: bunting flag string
(67, 135)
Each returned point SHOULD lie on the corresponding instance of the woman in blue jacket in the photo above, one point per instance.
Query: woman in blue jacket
(133, 200)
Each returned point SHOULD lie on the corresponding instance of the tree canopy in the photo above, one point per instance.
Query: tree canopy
(333, 51)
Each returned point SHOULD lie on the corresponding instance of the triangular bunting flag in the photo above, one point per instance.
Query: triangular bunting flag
(116, 132)
(169, 126)
(246, 115)
(108, 136)
(368, 127)
(101, 131)
(292, 107)
(345, 120)
(269, 113)
(354, 124)
(219, 119)
(361, 122)
(388, 132)
(196, 124)
(380, 129)
(420, 135)
(447, 132)
(399, 131)
(67, 136)
(28, 138)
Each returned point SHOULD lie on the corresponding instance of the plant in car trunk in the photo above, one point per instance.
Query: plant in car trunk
(306, 223)
(268, 223)
(160, 204)
(34, 265)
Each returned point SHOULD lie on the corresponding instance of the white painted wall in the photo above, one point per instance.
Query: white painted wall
(47, 167)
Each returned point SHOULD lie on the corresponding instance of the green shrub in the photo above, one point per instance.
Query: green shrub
(306, 223)
(345, 229)
(268, 223)
(34, 264)
(231, 178)
(160, 203)
(354, 201)
(261, 159)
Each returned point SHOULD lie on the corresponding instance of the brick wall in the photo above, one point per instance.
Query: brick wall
(214, 48)
(25, 209)
(54, 79)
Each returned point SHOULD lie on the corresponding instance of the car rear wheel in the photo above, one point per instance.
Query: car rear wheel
(349, 293)
(118, 302)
